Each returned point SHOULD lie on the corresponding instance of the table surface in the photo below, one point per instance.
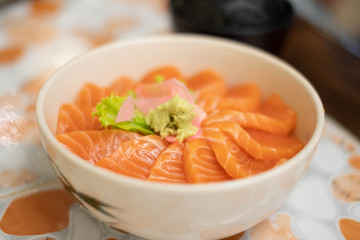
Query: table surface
(36, 37)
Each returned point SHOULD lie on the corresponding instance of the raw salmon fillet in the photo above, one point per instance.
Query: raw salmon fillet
(168, 72)
(122, 85)
(239, 135)
(95, 145)
(135, 158)
(91, 94)
(201, 165)
(74, 117)
(236, 162)
(260, 144)
(169, 166)
(275, 107)
(285, 145)
(246, 97)
(274, 116)
(207, 84)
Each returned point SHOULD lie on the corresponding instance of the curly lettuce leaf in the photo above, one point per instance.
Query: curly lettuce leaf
(108, 109)
(133, 127)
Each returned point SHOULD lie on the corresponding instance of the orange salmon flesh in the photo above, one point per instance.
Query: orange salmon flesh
(241, 135)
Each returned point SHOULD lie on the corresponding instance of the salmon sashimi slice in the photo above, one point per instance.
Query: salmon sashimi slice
(169, 166)
(167, 72)
(287, 145)
(91, 94)
(260, 144)
(135, 158)
(73, 117)
(236, 162)
(245, 90)
(275, 107)
(167, 89)
(94, 145)
(123, 85)
(274, 116)
(201, 165)
(207, 83)
(246, 97)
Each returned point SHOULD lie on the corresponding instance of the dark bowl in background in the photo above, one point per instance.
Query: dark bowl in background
(261, 23)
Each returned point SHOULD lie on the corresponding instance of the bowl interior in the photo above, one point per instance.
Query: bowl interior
(237, 63)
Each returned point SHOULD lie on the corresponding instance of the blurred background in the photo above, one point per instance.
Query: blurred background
(321, 38)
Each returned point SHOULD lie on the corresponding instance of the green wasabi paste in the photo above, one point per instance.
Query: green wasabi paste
(173, 118)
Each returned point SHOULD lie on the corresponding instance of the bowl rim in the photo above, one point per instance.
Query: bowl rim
(183, 188)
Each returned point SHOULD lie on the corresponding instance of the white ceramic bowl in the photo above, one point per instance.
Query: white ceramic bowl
(169, 211)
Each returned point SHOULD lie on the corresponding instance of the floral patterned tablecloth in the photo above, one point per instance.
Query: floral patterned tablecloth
(36, 37)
